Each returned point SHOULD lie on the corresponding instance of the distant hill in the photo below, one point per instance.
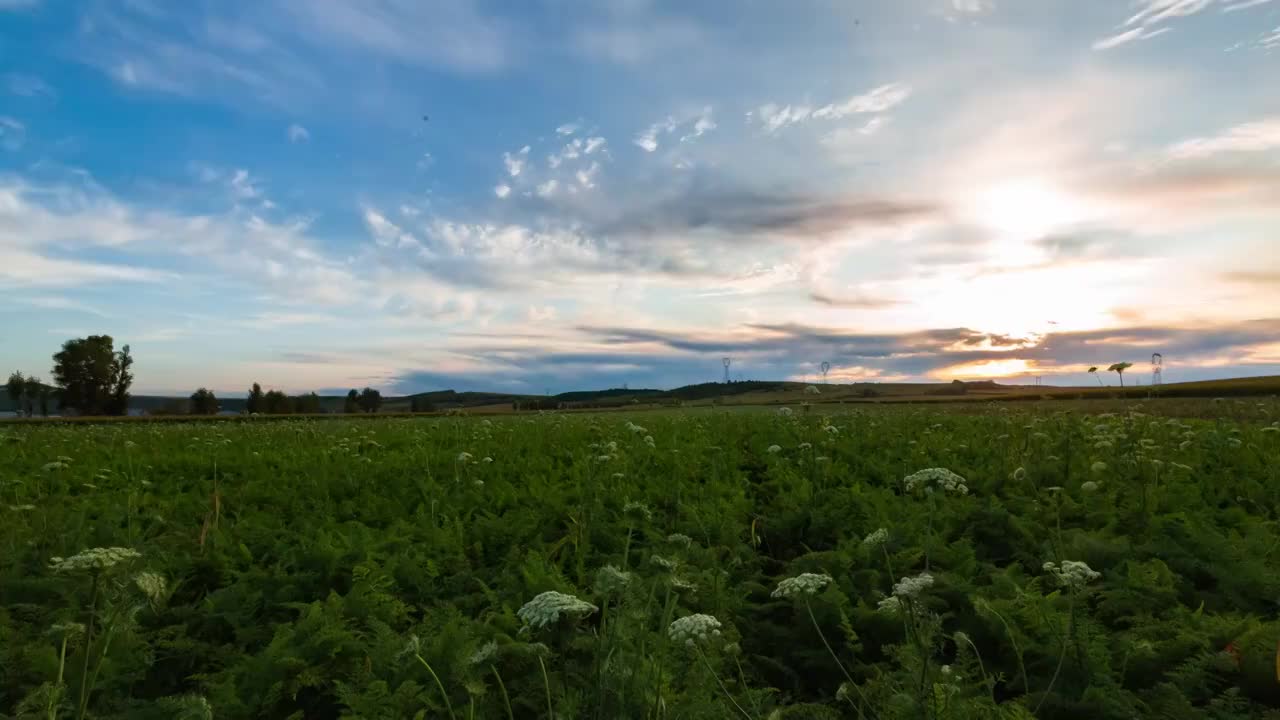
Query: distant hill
(741, 393)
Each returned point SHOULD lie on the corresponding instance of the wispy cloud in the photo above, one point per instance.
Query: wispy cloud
(1152, 18)
(297, 133)
(1252, 137)
(773, 117)
(698, 124)
(25, 85)
(515, 162)
(1126, 37)
(13, 134)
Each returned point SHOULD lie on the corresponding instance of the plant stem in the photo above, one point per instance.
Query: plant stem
(546, 683)
(839, 664)
(720, 682)
(1062, 656)
(506, 699)
(448, 705)
(88, 642)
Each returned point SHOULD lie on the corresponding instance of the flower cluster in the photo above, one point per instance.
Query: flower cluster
(931, 479)
(680, 539)
(94, 559)
(879, 537)
(638, 510)
(803, 584)
(610, 580)
(910, 587)
(694, 628)
(548, 607)
(774, 449)
(1074, 574)
(152, 585)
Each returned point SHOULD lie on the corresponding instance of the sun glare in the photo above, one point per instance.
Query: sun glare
(1026, 209)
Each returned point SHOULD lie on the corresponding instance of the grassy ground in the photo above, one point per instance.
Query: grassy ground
(394, 567)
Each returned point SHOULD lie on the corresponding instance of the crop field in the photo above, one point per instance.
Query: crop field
(1009, 561)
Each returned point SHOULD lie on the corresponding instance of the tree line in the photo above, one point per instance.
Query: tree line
(90, 377)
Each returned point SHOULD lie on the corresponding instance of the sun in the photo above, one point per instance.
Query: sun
(1025, 208)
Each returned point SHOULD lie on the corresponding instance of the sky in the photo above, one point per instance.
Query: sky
(561, 194)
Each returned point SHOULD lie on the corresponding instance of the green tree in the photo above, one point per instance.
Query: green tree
(276, 402)
(122, 379)
(92, 377)
(203, 402)
(352, 403)
(308, 404)
(33, 394)
(17, 387)
(370, 400)
(257, 401)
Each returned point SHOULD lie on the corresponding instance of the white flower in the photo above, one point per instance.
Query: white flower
(784, 412)
(94, 559)
(548, 607)
(464, 457)
(68, 629)
(891, 604)
(1089, 486)
(774, 449)
(682, 584)
(694, 628)
(812, 390)
(55, 465)
(1098, 467)
(680, 539)
(663, 562)
(910, 587)
(806, 446)
(486, 459)
(22, 508)
(879, 537)
(638, 510)
(152, 585)
(940, 478)
(803, 584)
(610, 580)
(1074, 574)
(648, 440)
(484, 654)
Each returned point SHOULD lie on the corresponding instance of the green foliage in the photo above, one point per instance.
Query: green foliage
(256, 403)
(92, 377)
(378, 568)
(203, 402)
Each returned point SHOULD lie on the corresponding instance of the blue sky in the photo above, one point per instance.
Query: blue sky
(625, 192)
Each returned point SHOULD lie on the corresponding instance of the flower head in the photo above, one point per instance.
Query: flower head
(637, 510)
(879, 537)
(774, 449)
(784, 412)
(1098, 467)
(694, 628)
(1089, 486)
(1074, 574)
(680, 539)
(66, 629)
(484, 654)
(611, 580)
(910, 587)
(803, 584)
(94, 559)
(548, 607)
(936, 478)
(152, 585)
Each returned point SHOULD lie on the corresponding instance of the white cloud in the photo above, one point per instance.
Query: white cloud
(13, 134)
(648, 139)
(1271, 41)
(542, 313)
(774, 117)
(548, 188)
(244, 186)
(973, 7)
(1126, 37)
(699, 123)
(385, 232)
(593, 144)
(515, 163)
(297, 133)
(28, 86)
(503, 190)
(567, 129)
(701, 126)
(587, 176)
(1244, 4)
(1257, 136)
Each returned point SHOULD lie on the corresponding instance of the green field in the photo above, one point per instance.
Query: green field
(388, 568)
